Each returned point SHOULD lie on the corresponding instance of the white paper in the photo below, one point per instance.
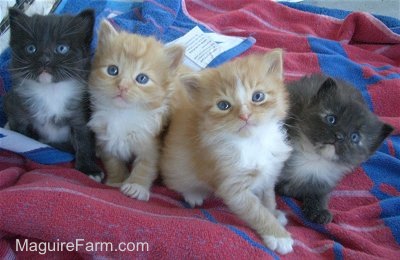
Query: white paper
(202, 48)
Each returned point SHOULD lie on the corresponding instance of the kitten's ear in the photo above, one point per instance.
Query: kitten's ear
(191, 82)
(15, 15)
(326, 88)
(107, 32)
(19, 28)
(385, 131)
(86, 22)
(87, 16)
(274, 62)
(175, 56)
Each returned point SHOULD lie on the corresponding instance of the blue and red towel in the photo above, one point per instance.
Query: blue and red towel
(57, 203)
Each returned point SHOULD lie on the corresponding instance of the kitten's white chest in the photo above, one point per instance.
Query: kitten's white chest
(51, 98)
(48, 104)
(264, 152)
(121, 131)
(265, 148)
(306, 165)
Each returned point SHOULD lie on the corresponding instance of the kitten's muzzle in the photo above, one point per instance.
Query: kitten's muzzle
(44, 60)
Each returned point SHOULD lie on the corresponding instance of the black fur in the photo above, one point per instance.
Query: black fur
(46, 34)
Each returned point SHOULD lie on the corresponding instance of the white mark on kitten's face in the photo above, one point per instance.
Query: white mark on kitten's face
(45, 78)
(328, 151)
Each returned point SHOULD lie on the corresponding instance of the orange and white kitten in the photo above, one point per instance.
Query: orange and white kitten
(226, 136)
(131, 83)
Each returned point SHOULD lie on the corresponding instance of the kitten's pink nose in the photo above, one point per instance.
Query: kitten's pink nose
(244, 117)
(123, 87)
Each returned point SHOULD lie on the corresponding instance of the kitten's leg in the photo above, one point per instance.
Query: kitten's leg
(85, 158)
(315, 208)
(195, 197)
(248, 207)
(19, 119)
(144, 172)
(282, 188)
(269, 201)
(116, 169)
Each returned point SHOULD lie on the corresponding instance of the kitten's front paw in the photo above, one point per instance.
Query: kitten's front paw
(115, 180)
(97, 177)
(135, 191)
(281, 217)
(93, 171)
(282, 245)
(318, 216)
(193, 199)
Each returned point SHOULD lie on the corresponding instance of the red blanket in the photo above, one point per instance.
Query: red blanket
(57, 207)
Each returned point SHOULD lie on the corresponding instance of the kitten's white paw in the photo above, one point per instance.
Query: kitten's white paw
(193, 199)
(98, 177)
(135, 191)
(281, 217)
(282, 245)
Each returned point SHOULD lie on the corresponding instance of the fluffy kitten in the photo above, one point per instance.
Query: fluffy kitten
(131, 82)
(49, 67)
(219, 133)
(332, 132)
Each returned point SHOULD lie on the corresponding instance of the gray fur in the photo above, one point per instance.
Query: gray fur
(323, 153)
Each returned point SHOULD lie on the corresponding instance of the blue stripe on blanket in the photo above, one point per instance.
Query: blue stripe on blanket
(390, 22)
(329, 54)
(32, 149)
(48, 155)
(384, 171)
(241, 234)
(338, 251)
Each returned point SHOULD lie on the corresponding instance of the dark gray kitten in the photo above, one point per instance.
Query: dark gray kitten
(332, 131)
(49, 100)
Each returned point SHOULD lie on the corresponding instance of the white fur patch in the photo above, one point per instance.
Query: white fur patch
(120, 132)
(45, 78)
(135, 191)
(306, 165)
(48, 102)
(241, 91)
(282, 245)
(265, 151)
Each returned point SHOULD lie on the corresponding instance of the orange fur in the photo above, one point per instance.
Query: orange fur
(236, 153)
(129, 115)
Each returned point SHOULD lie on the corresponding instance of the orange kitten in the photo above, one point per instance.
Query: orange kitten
(226, 137)
(130, 85)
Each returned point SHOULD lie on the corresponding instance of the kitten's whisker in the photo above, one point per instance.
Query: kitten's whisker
(18, 58)
(73, 69)
(71, 75)
(19, 68)
(74, 59)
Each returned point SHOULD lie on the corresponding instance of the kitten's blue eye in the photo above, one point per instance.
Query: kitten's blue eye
(258, 96)
(223, 105)
(330, 119)
(62, 49)
(112, 70)
(30, 49)
(355, 137)
(142, 78)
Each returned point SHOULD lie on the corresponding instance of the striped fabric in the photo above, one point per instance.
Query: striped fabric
(57, 203)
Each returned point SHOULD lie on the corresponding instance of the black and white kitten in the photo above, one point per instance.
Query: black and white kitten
(49, 100)
(332, 131)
